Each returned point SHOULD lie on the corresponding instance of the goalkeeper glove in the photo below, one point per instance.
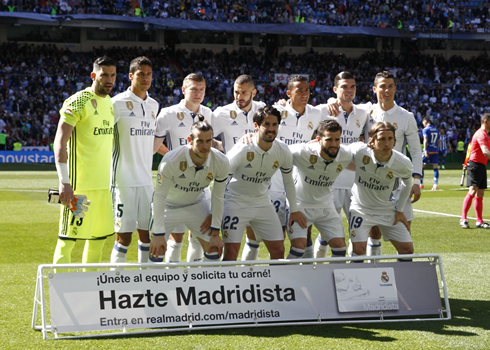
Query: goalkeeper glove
(78, 206)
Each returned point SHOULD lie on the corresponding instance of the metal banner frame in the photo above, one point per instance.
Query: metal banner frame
(409, 283)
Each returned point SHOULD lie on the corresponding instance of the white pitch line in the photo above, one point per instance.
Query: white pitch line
(441, 214)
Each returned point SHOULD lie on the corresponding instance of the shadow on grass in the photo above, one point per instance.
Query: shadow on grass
(465, 314)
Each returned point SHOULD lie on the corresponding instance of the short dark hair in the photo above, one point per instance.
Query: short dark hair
(245, 79)
(139, 61)
(427, 120)
(103, 61)
(381, 126)
(384, 74)
(342, 75)
(263, 112)
(296, 78)
(330, 125)
(200, 125)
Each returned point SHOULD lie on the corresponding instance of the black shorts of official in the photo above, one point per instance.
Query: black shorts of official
(477, 175)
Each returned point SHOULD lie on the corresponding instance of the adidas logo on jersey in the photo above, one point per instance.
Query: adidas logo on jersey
(363, 168)
(181, 125)
(248, 165)
(96, 113)
(182, 176)
(132, 114)
(311, 167)
(283, 123)
(234, 123)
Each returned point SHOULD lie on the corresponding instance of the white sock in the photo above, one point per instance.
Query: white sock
(350, 248)
(211, 257)
(321, 248)
(373, 247)
(339, 253)
(119, 252)
(295, 253)
(250, 250)
(143, 252)
(309, 251)
(194, 251)
(159, 259)
(174, 251)
(356, 261)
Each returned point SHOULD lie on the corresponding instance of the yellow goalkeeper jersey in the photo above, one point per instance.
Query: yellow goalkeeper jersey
(90, 145)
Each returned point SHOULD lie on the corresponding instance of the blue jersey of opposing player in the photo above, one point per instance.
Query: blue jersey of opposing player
(432, 135)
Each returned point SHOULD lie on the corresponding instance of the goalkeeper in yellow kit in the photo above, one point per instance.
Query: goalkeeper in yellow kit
(83, 147)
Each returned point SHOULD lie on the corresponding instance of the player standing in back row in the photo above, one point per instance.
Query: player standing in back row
(432, 144)
(82, 148)
(135, 114)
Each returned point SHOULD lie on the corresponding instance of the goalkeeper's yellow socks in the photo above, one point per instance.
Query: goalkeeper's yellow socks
(62, 252)
(92, 252)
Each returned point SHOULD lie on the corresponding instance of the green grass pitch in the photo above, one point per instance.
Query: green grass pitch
(29, 225)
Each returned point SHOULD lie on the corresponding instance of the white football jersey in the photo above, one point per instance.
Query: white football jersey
(252, 169)
(174, 123)
(232, 123)
(406, 132)
(295, 128)
(375, 182)
(134, 132)
(353, 126)
(314, 175)
(180, 183)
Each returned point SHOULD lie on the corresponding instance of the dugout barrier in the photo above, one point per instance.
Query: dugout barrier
(133, 298)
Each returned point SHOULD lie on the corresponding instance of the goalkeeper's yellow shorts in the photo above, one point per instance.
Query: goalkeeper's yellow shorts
(98, 221)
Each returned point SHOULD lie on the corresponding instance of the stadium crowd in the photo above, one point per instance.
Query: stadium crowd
(407, 15)
(34, 82)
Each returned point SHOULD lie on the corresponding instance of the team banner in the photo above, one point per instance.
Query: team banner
(221, 295)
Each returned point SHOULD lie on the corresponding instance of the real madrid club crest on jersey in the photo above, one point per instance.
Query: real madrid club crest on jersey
(313, 158)
(180, 116)
(129, 104)
(366, 160)
(339, 168)
(358, 123)
(389, 176)
(310, 125)
(250, 156)
(183, 166)
(210, 177)
(233, 114)
(276, 165)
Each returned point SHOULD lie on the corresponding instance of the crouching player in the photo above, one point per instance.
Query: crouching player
(378, 168)
(179, 198)
(318, 165)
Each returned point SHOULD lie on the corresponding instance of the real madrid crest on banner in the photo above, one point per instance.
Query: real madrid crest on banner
(94, 103)
(358, 123)
(284, 114)
(250, 156)
(232, 114)
(384, 277)
(310, 125)
(395, 125)
(183, 166)
(389, 176)
(366, 160)
(210, 177)
(313, 159)
(276, 165)
(339, 168)
(180, 116)
(129, 104)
